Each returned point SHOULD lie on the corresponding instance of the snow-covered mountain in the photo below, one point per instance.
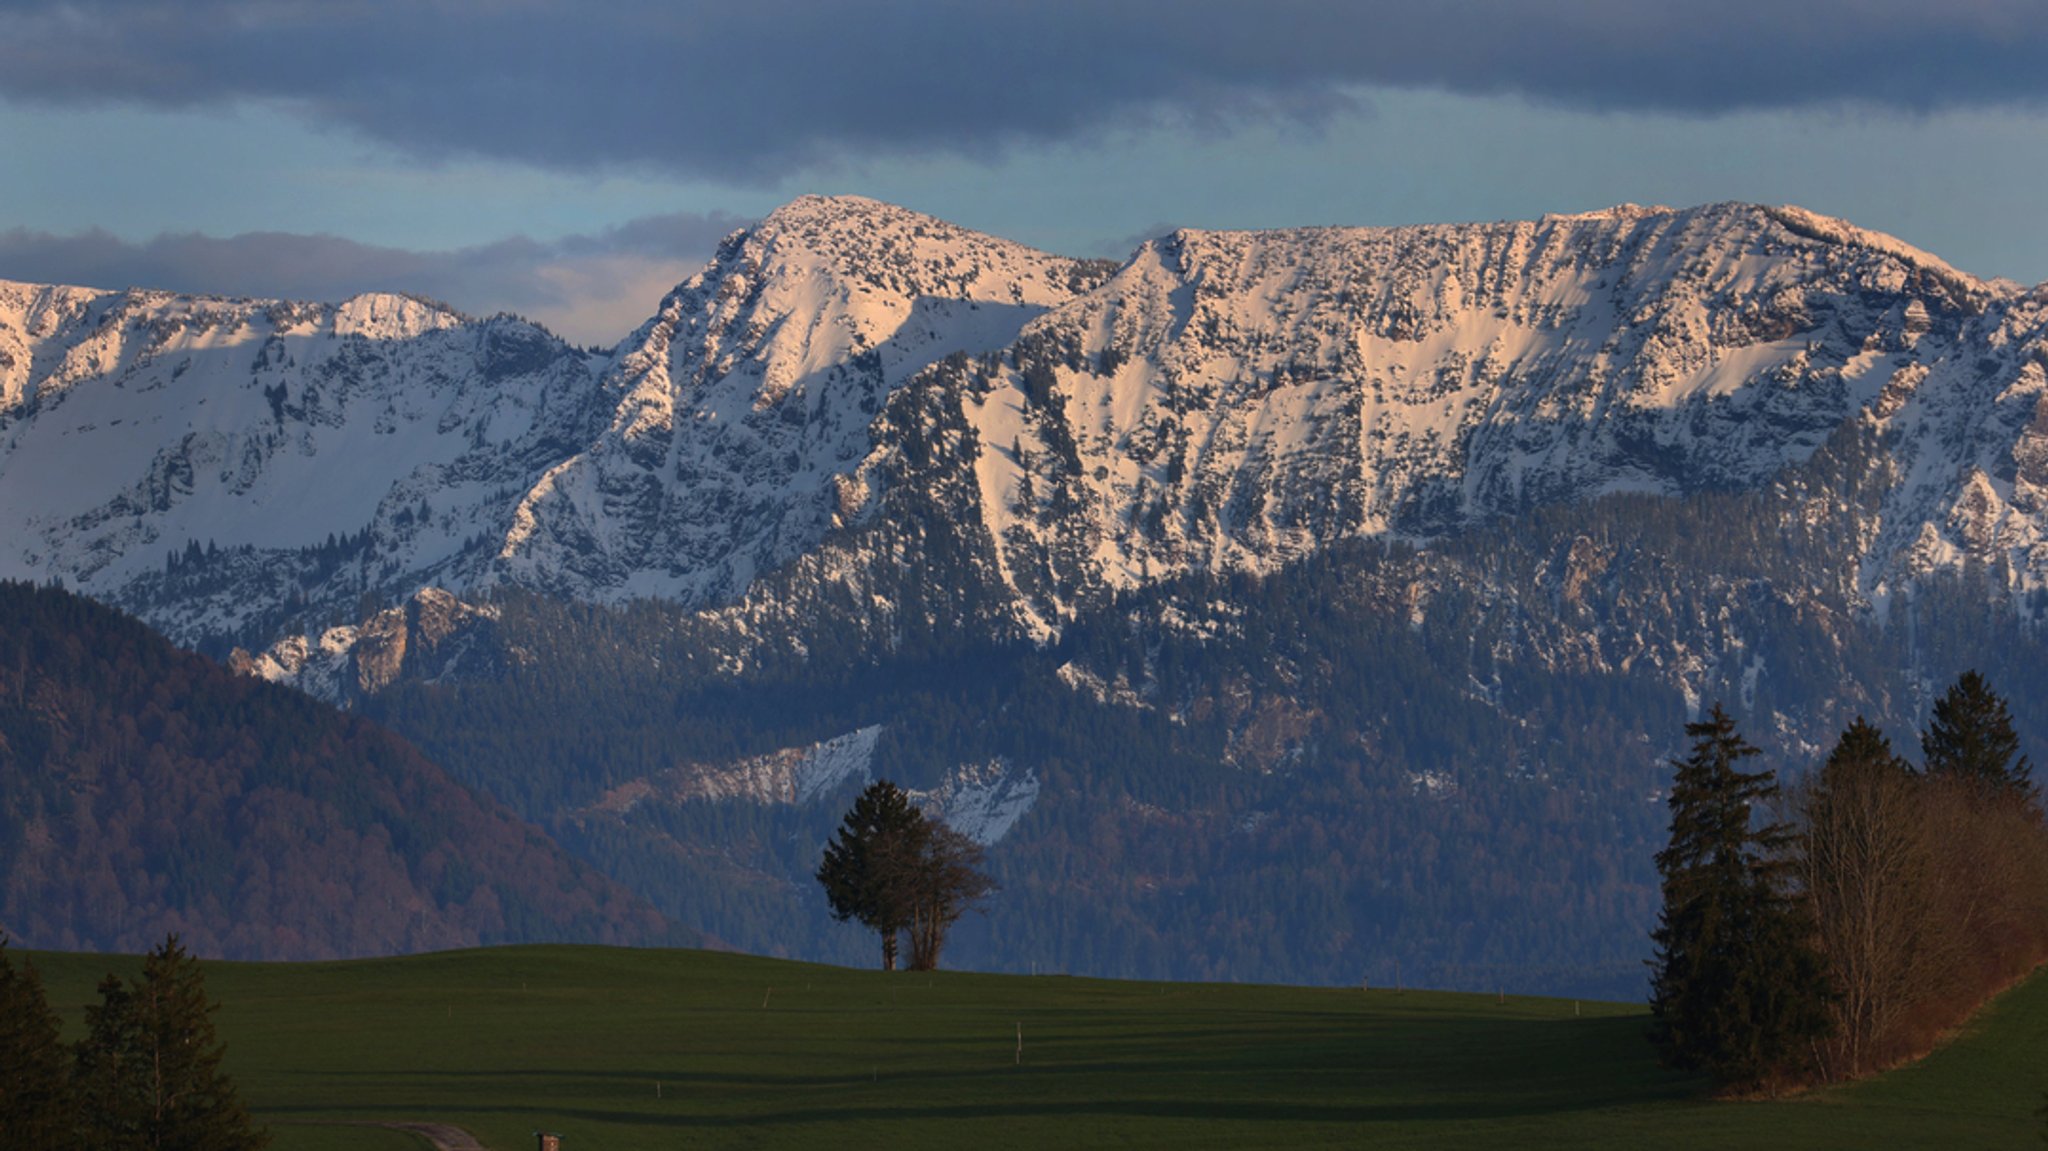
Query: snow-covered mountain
(227, 468)
(740, 414)
(1521, 496)
(221, 466)
(1237, 400)
(848, 386)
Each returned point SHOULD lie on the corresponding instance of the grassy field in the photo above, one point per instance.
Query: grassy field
(621, 1049)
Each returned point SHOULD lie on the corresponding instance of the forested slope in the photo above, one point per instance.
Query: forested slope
(145, 790)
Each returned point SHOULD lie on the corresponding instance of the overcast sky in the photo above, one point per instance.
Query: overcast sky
(572, 162)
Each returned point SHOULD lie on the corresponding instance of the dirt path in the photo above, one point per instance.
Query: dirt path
(444, 1136)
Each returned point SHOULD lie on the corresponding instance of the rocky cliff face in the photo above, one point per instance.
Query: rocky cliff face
(741, 414)
(848, 382)
(1241, 400)
(430, 637)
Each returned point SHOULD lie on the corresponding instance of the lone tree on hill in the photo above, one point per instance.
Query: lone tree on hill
(1970, 737)
(865, 864)
(36, 1107)
(148, 1071)
(1736, 986)
(893, 868)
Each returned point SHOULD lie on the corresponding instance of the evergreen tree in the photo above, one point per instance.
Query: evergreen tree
(1736, 986)
(148, 1071)
(36, 1108)
(108, 1073)
(1970, 737)
(868, 864)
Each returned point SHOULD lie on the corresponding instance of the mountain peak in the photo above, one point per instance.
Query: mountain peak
(1226, 400)
(1817, 226)
(1623, 211)
(393, 315)
(816, 206)
(1738, 215)
(856, 230)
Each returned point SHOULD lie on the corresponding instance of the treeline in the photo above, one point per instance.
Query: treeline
(1883, 904)
(145, 1077)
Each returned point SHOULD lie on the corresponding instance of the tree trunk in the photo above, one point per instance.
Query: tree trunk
(888, 951)
(920, 948)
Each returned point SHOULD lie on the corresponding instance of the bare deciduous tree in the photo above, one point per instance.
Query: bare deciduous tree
(1929, 890)
(1866, 863)
(946, 883)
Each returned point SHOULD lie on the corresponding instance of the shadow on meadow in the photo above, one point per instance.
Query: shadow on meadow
(1314, 1069)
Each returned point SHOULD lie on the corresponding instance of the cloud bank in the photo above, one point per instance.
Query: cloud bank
(760, 90)
(591, 289)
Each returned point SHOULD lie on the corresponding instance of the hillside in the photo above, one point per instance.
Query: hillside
(145, 790)
(643, 1049)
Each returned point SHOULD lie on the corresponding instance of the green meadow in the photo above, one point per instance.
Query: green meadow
(625, 1049)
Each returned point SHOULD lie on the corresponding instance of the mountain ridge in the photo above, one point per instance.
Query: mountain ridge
(1229, 399)
(1284, 600)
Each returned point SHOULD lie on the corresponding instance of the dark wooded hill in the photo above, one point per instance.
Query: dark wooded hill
(145, 789)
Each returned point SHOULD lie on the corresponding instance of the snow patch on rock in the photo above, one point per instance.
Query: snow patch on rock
(982, 801)
(790, 776)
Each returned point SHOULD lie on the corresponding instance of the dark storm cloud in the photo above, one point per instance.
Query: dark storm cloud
(757, 89)
(591, 288)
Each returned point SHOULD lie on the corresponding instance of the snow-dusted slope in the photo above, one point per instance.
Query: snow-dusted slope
(238, 470)
(242, 469)
(1235, 400)
(213, 463)
(744, 406)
